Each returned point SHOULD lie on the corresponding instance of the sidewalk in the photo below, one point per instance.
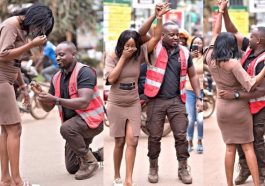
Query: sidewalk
(214, 168)
(168, 166)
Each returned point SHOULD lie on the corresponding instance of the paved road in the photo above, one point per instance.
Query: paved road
(42, 154)
(167, 163)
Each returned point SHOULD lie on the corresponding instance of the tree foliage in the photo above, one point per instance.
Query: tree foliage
(69, 14)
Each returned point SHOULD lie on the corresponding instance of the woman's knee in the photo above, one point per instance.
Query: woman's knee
(191, 122)
(132, 141)
(231, 148)
(247, 147)
(191, 119)
(14, 130)
(200, 118)
(200, 123)
(120, 142)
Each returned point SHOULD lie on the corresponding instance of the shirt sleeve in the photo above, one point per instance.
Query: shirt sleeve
(8, 35)
(242, 76)
(110, 64)
(86, 78)
(46, 51)
(245, 44)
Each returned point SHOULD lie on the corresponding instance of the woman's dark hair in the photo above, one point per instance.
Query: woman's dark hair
(124, 37)
(36, 16)
(225, 47)
(192, 41)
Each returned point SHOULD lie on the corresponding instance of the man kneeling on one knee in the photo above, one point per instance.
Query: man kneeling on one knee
(74, 90)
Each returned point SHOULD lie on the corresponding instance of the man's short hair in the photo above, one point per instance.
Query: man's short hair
(169, 23)
(261, 29)
(70, 44)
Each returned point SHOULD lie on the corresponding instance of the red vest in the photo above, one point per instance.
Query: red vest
(258, 103)
(155, 73)
(94, 113)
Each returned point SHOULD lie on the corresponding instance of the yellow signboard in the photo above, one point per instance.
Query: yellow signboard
(241, 20)
(117, 18)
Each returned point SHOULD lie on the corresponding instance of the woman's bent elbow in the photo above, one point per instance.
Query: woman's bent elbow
(110, 81)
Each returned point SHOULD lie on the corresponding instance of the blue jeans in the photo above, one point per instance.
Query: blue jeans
(193, 115)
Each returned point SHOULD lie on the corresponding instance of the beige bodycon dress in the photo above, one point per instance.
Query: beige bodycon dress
(124, 105)
(10, 37)
(233, 116)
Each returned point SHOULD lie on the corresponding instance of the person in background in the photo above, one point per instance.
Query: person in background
(183, 37)
(48, 61)
(196, 49)
(35, 22)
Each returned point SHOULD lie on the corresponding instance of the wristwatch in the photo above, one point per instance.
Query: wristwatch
(57, 101)
(237, 95)
(200, 98)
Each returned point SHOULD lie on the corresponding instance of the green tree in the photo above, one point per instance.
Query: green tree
(69, 15)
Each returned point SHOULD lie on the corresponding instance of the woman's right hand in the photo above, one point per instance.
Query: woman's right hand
(128, 52)
(194, 53)
(38, 41)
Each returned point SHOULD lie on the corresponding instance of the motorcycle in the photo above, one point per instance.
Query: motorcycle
(167, 128)
(209, 95)
(35, 109)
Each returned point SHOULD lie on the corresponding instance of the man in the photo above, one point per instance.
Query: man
(253, 63)
(74, 90)
(165, 83)
(48, 55)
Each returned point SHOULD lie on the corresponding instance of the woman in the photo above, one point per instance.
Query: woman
(122, 70)
(233, 116)
(196, 49)
(34, 22)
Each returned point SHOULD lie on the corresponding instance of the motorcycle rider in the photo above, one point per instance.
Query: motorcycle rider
(48, 54)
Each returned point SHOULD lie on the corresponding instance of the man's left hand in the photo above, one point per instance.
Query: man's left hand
(199, 105)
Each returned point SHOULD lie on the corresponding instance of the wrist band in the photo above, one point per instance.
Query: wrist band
(221, 11)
